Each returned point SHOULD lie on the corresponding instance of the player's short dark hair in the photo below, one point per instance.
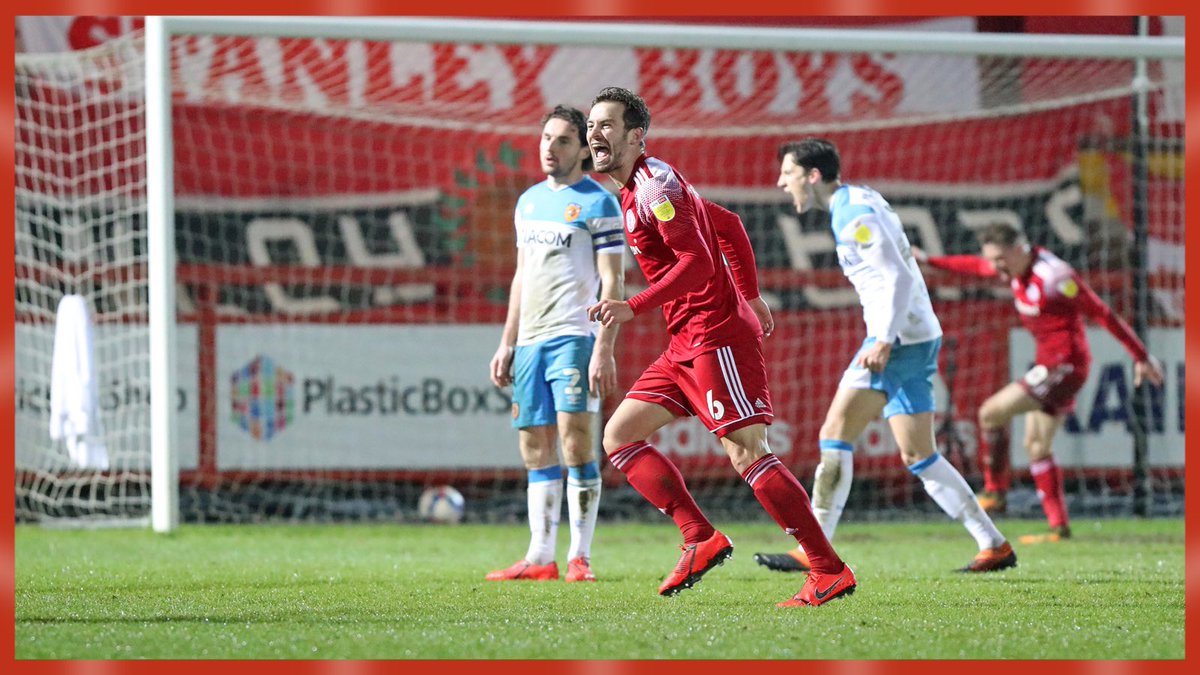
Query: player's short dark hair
(636, 116)
(575, 118)
(814, 153)
(1000, 234)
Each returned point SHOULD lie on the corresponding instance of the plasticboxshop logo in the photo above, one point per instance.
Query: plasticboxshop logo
(394, 396)
(264, 398)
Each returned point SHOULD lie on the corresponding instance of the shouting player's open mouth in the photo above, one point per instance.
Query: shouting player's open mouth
(600, 153)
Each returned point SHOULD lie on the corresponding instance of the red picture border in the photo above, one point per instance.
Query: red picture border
(610, 9)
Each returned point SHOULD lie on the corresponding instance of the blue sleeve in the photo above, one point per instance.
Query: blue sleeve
(608, 207)
(517, 208)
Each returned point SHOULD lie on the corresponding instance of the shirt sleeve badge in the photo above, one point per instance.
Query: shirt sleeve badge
(663, 209)
(863, 235)
(1068, 288)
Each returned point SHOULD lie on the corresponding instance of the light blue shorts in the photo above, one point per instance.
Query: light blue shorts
(907, 380)
(550, 377)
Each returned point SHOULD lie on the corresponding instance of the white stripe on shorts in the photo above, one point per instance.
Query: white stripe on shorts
(733, 382)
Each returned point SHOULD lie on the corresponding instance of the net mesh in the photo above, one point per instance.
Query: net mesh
(80, 209)
(345, 245)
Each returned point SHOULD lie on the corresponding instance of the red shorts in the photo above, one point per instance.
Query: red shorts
(725, 388)
(1054, 387)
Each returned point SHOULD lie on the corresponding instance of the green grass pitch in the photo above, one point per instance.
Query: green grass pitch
(1116, 591)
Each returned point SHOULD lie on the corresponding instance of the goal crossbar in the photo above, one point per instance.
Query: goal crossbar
(662, 35)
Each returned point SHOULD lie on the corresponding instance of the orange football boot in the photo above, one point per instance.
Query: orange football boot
(820, 588)
(1055, 535)
(993, 559)
(579, 570)
(523, 570)
(795, 560)
(697, 559)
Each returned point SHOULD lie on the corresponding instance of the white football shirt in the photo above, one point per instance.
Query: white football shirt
(560, 232)
(876, 257)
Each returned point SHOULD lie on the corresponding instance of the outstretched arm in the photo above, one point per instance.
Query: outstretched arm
(964, 264)
(1146, 367)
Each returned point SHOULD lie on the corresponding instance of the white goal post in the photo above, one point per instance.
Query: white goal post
(161, 207)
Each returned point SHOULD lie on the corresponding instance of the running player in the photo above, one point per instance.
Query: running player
(893, 371)
(569, 252)
(1052, 301)
(713, 367)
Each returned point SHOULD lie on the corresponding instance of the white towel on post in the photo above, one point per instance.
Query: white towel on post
(74, 390)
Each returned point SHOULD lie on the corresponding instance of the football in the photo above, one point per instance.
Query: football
(441, 504)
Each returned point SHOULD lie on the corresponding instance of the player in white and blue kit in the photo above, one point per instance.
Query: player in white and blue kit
(892, 373)
(570, 243)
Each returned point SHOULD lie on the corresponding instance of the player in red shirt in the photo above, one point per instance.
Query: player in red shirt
(1052, 301)
(713, 367)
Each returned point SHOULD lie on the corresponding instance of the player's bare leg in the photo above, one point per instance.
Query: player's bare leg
(994, 417)
(544, 498)
(1040, 429)
(583, 490)
(946, 486)
(659, 481)
(848, 415)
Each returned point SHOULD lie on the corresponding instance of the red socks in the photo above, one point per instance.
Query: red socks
(659, 481)
(1048, 479)
(785, 499)
(994, 460)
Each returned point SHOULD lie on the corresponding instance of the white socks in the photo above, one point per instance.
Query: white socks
(831, 485)
(583, 503)
(947, 487)
(545, 504)
(545, 494)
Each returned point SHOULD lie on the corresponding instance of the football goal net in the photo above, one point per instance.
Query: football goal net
(293, 239)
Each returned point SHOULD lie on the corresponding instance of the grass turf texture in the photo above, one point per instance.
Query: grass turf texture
(1116, 591)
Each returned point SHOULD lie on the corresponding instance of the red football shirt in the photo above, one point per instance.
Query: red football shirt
(1052, 300)
(679, 247)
